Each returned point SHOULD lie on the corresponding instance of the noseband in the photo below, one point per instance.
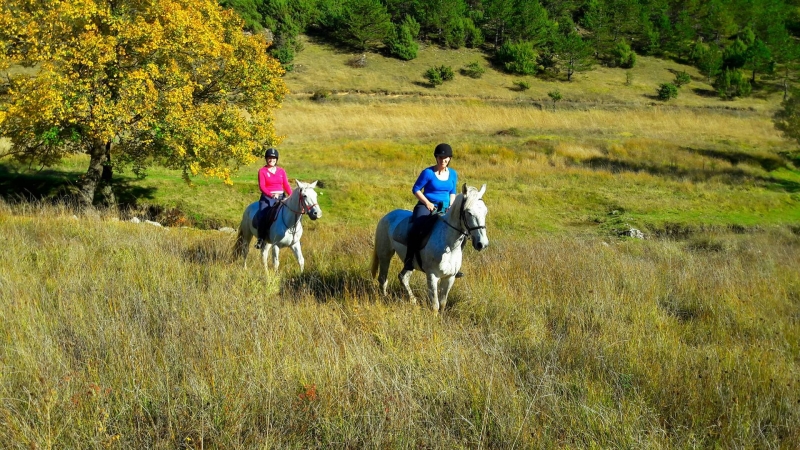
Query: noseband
(304, 207)
(462, 219)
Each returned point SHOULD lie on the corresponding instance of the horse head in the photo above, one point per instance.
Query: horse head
(308, 199)
(473, 216)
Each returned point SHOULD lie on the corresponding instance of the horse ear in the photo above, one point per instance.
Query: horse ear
(313, 185)
(464, 189)
(482, 191)
(300, 184)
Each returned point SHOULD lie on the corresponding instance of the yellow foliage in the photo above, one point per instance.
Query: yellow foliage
(175, 81)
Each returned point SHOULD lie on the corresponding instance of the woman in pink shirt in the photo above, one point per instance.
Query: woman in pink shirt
(274, 185)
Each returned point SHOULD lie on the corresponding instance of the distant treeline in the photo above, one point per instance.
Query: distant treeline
(728, 40)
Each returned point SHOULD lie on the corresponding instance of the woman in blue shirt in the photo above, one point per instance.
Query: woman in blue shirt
(435, 189)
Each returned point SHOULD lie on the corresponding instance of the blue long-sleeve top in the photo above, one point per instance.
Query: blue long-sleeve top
(436, 190)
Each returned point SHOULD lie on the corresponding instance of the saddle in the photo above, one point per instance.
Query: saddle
(424, 227)
(269, 215)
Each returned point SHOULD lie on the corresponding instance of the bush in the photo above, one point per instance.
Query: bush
(732, 83)
(473, 70)
(321, 95)
(438, 75)
(555, 96)
(447, 73)
(623, 56)
(522, 85)
(518, 57)
(473, 35)
(667, 91)
(682, 78)
(433, 76)
(400, 42)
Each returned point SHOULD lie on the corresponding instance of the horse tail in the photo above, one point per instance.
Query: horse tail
(239, 245)
(375, 257)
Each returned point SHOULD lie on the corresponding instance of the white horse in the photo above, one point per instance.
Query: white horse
(287, 229)
(441, 256)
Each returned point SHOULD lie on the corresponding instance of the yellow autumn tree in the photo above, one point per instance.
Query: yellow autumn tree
(169, 82)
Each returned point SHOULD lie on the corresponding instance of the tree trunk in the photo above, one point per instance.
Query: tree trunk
(106, 192)
(89, 182)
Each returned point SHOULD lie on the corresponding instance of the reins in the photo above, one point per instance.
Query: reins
(462, 219)
(304, 209)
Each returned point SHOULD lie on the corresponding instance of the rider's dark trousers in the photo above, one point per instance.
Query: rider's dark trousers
(415, 234)
(264, 203)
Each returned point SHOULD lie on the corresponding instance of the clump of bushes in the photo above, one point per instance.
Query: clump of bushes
(623, 56)
(518, 57)
(401, 39)
(682, 78)
(732, 83)
(522, 85)
(438, 75)
(473, 70)
(667, 91)
(321, 95)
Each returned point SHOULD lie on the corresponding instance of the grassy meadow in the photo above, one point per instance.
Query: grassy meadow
(562, 334)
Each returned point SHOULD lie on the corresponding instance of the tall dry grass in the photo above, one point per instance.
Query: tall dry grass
(117, 335)
(302, 120)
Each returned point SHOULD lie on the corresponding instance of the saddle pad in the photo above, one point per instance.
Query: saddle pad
(425, 225)
(269, 214)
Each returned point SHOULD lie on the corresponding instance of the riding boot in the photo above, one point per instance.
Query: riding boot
(412, 248)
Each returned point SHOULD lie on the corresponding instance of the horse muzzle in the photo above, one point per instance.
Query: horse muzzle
(314, 215)
(479, 244)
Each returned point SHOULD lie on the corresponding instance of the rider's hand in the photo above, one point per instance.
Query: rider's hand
(431, 207)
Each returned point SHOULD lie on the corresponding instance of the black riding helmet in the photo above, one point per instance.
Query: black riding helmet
(443, 150)
(271, 153)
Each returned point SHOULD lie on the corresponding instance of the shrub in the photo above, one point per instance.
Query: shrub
(518, 57)
(438, 75)
(473, 70)
(522, 85)
(473, 35)
(623, 56)
(732, 83)
(433, 76)
(447, 73)
(628, 78)
(555, 96)
(681, 78)
(400, 42)
(321, 95)
(667, 91)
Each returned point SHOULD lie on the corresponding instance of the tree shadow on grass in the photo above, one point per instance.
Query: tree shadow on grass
(732, 176)
(767, 163)
(51, 185)
(707, 93)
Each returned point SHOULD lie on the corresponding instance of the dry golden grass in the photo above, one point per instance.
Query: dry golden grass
(117, 335)
(302, 120)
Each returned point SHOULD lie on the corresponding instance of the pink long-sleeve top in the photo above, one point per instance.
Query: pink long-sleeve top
(270, 183)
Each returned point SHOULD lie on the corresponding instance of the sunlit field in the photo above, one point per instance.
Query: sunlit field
(564, 333)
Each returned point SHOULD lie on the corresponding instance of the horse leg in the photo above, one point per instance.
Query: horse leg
(433, 291)
(444, 290)
(265, 251)
(275, 253)
(298, 254)
(404, 277)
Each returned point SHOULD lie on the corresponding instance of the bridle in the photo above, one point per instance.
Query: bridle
(305, 208)
(462, 220)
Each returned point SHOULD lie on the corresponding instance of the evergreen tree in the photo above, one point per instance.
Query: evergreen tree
(573, 53)
(365, 23)
(400, 42)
